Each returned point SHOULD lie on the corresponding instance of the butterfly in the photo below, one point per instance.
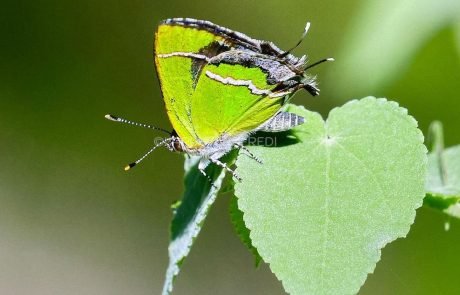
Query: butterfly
(219, 86)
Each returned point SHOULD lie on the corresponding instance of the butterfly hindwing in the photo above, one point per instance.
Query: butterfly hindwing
(235, 99)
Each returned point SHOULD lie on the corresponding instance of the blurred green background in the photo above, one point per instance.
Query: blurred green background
(73, 222)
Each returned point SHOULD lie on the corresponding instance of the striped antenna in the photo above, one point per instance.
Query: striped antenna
(121, 120)
(304, 34)
(319, 62)
(163, 142)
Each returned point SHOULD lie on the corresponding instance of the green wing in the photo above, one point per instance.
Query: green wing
(232, 99)
(176, 49)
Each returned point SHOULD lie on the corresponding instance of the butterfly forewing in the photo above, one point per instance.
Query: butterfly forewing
(175, 47)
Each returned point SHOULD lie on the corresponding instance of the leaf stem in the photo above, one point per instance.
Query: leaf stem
(436, 138)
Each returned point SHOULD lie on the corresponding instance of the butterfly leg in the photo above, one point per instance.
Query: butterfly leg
(201, 166)
(216, 161)
(248, 153)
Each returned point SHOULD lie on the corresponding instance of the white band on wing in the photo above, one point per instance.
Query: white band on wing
(184, 54)
(230, 81)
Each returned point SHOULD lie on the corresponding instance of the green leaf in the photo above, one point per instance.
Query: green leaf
(443, 181)
(383, 38)
(443, 177)
(241, 230)
(320, 210)
(190, 213)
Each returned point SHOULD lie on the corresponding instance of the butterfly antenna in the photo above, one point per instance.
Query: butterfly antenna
(304, 34)
(121, 120)
(319, 62)
(163, 142)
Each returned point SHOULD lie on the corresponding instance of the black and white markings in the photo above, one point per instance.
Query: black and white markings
(184, 54)
(277, 71)
(247, 83)
(235, 82)
(283, 69)
(283, 121)
(230, 35)
(264, 65)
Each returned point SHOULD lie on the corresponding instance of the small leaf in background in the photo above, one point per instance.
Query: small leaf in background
(443, 185)
(443, 177)
(190, 213)
(241, 230)
(321, 210)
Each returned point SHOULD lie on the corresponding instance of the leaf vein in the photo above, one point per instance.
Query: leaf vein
(374, 177)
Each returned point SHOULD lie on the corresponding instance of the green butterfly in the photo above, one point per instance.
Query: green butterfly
(219, 86)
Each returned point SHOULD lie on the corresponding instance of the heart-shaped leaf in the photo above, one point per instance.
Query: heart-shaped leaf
(321, 210)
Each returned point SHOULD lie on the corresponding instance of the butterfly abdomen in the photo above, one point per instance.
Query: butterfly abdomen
(282, 121)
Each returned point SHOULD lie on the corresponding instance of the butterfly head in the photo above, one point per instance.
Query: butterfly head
(308, 82)
(175, 144)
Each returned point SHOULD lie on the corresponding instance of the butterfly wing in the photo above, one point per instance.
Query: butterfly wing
(208, 92)
(231, 99)
(178, 53)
